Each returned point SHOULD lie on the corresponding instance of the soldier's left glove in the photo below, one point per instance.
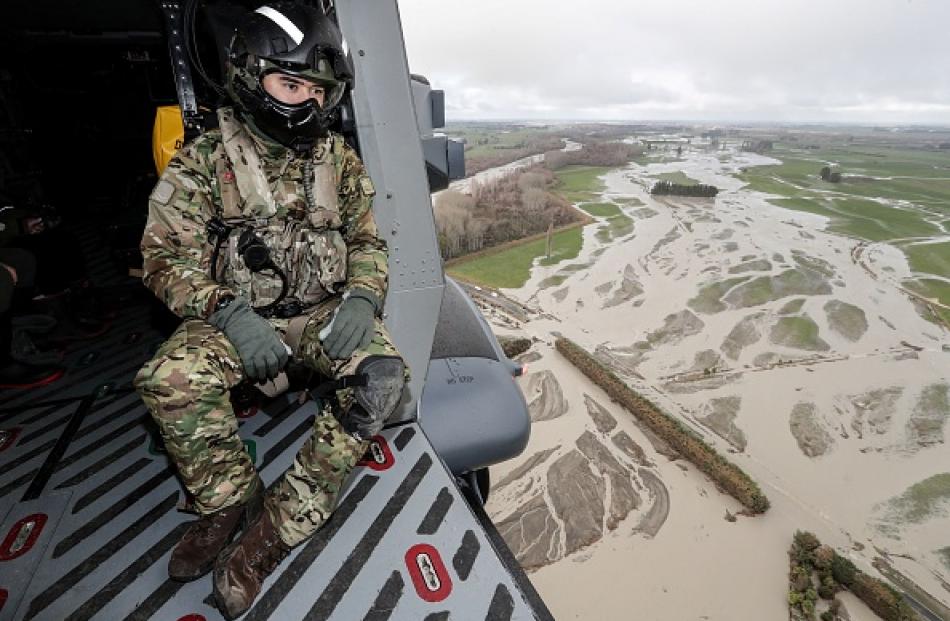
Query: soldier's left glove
(262, 352)
(352, 326)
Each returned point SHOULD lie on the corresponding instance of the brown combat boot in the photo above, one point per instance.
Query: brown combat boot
(243, 566)
(195, 554)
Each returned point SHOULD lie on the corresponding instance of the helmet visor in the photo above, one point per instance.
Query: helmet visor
(293, 88)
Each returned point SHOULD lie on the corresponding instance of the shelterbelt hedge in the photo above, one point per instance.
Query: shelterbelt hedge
(726, 474)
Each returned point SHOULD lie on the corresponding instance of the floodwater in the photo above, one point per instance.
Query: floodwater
(792, 350)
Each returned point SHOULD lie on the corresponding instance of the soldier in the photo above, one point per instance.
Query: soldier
(261, 237)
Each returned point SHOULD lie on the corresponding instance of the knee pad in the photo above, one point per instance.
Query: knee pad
(382, 391)
(377, 394)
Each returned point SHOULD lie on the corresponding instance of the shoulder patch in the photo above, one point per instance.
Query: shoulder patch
(163, 192)
(366, 184)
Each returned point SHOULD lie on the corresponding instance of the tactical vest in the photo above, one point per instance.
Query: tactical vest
(294, 211)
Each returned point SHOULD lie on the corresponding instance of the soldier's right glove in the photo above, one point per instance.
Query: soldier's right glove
(352, 325)
(262, 352)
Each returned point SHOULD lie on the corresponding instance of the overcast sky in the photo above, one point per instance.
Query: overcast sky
(864, 61)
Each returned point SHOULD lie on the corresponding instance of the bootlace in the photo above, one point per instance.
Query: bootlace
(207, 528)
(268, 556)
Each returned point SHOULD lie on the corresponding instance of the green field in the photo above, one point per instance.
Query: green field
(709, 298)
(616, 226)
(601, 210)
(553, 281)
(482, 141)
(511, 267)
(912, 174)
(914, 182)
(657, 157)
(630, 201)
(678, 177)
(929, 258)
(580, 179)
(864, 219)
(923, 500)
(797, 333)
(933, 289)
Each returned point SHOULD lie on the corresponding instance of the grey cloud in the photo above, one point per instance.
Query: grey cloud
(862, 60)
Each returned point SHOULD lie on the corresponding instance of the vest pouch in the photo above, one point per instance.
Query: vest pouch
(263, 287)
(320, 261)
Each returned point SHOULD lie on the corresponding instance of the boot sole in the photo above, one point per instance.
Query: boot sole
(186, 579)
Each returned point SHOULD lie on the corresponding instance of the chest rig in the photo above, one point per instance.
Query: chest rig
(285, 207)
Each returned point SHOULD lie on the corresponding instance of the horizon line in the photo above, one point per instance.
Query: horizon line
(869, 124)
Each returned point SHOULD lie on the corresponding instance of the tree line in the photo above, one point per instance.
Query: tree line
(519, 204)
(504, 154)
(596, 154)
(549, 141)
(831, 176)
(668, 188)
(510, 207)
(817, 571)
(727, 476)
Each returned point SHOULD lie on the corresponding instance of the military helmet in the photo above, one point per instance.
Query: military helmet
(296, 40)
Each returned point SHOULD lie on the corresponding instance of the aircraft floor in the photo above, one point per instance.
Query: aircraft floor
(89, 513)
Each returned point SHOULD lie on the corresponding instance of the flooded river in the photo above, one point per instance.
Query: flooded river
(775, 341)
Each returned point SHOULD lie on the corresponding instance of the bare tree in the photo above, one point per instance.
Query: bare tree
(534, 200)
(530, 180)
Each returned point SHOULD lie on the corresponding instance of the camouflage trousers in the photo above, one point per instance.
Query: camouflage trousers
(186, 387)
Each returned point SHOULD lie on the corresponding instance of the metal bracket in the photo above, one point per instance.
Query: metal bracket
(181, 69)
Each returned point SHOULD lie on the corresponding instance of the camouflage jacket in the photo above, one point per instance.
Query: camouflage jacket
(321, 232)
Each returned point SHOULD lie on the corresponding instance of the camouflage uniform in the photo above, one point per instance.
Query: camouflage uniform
(315, 215)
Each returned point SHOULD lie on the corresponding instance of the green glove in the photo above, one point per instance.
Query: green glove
(352, 325)
(262, 352)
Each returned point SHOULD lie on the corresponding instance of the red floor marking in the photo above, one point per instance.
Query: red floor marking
(3, 598)
(49, 379)
(8, 437)
(378, 455)
(427, 570)
(193, 617)
(22, 536)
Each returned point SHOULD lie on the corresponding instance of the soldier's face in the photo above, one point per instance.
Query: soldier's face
(292, 90)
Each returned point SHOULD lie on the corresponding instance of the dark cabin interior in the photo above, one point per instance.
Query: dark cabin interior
(79, 88)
